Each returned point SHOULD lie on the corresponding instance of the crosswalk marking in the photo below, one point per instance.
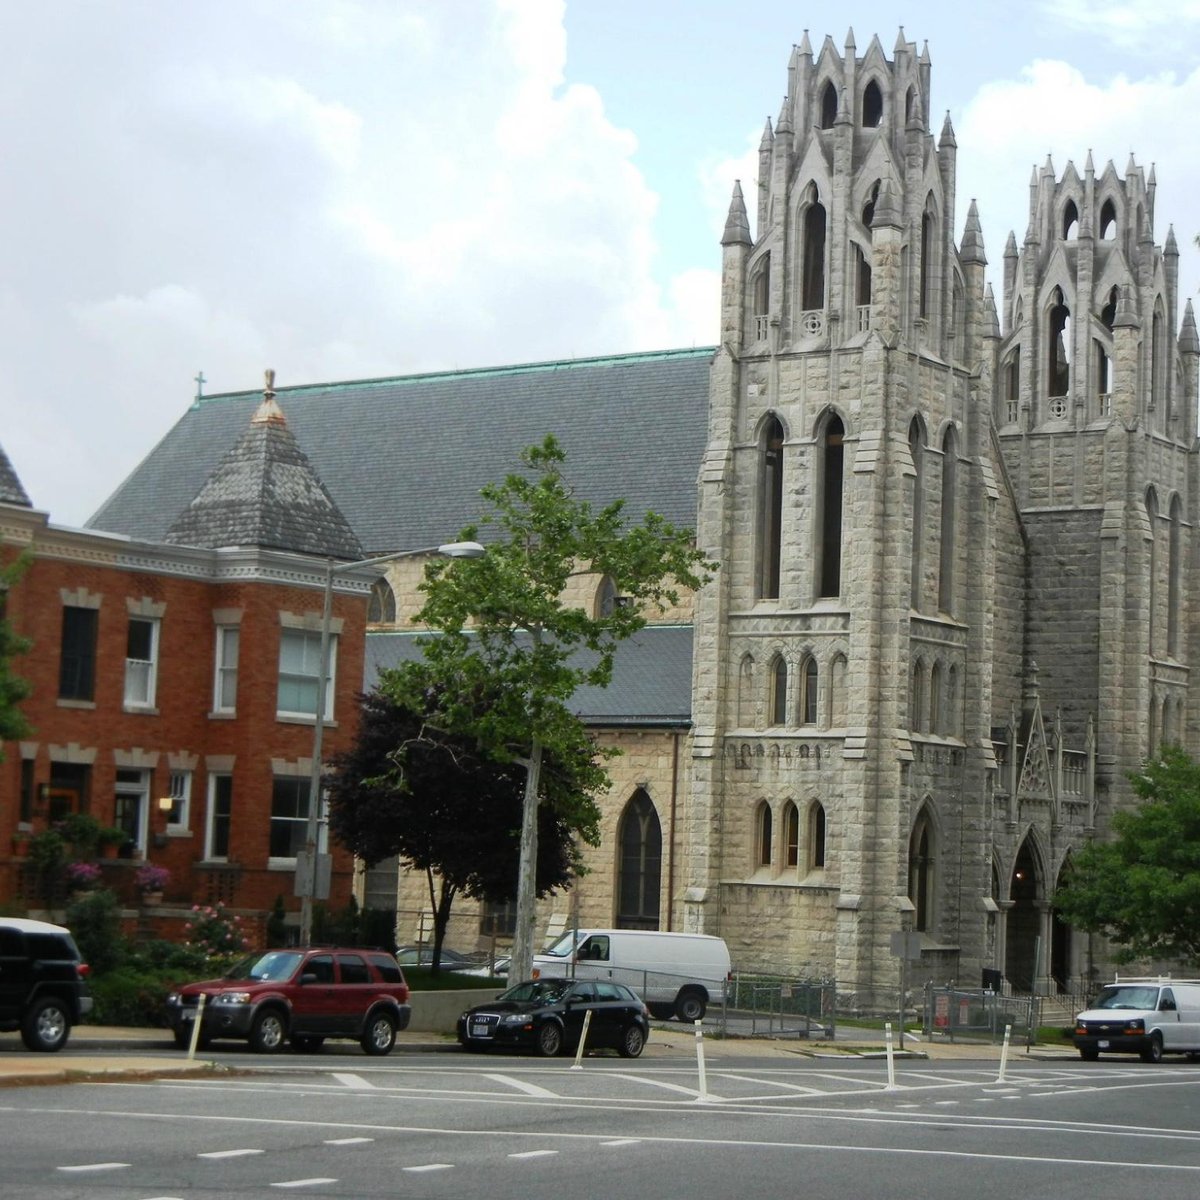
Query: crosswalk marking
(530, 1089)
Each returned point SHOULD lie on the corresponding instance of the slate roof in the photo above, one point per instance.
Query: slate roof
(264, 492)
(404, 458)
(11, 491)
(651, 682)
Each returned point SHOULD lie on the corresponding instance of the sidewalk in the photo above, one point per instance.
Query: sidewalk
(157, 1056)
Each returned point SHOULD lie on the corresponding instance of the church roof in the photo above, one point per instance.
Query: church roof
(651, 681)
(11, 491)
(404, 458)
(264, 492)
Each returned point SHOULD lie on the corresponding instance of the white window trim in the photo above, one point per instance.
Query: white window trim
(147, 701)
(140, 790)
(221, 669)
(288, 862)
(210, 815)
(179, 787)
(330, 679)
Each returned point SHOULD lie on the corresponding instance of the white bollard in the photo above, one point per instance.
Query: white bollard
(577, 1065)
(891, 1058)
(196, 1028)
(703, 1097)
(1004, 1053)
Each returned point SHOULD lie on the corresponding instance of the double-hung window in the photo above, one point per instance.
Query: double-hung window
(77, 663)
(179, 788)
(289, 816)
(141, 662)
(220, 810)
(226, 671)
(300, 672)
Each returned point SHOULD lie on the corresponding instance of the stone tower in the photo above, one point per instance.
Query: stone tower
(844, 679)
(1096, 416)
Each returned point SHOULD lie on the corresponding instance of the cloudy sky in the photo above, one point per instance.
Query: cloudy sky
(354, 188)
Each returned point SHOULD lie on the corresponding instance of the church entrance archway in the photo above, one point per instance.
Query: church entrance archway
(1024, 921)
(1061, 946)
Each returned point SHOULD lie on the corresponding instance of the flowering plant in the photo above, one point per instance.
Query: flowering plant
(82, 874)
(214, 933)
(151, 878)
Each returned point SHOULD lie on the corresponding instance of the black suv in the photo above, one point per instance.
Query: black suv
(43, 982)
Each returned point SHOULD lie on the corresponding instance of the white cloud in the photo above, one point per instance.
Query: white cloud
(1054, 109)
(1130, 24)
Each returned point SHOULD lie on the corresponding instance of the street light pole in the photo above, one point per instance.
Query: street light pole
(310, 866)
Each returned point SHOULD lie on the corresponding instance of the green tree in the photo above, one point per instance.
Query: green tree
(13, 689)
(432, 798)
(1142, 888)
(506, 632)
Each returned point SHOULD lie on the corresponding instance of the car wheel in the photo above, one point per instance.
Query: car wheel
(268, 1033)
(690, 1006)
(380, 1034)
(1089, 1055)
(549, 1040)
(47, 1025)
(306, 1043)
(632, 1041)
(1153, 1050)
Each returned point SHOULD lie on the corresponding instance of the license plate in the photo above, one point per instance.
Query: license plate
(481, 1031)
(1102, 1045)
(188, 1014)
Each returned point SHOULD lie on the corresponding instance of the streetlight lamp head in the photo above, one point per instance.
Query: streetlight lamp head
(461, 550)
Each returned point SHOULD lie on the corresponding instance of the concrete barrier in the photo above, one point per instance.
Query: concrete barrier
(438, 1012)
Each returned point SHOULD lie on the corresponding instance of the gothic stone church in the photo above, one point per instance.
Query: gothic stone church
(955, 534)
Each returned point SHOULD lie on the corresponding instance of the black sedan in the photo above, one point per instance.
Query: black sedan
(547, 1015)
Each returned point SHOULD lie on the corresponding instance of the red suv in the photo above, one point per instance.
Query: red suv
(300, 995)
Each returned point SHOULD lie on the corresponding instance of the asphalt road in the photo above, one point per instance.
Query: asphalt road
(444, 1125)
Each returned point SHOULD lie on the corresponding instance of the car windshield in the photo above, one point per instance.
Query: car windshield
(274, 966)
(565, 944)
(543, 991)
(1128, 997)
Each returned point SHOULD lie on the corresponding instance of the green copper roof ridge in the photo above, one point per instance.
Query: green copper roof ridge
(472, 373)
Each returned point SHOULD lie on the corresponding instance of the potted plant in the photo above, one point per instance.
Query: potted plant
(151, 880)
(82, 876)
(111, 840)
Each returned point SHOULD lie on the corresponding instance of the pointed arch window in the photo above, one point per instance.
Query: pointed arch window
(1174, 576)
(762, 298)
(921, 850)
(1158, 368)
(778, 707)
(808, 691)
(872, 106)
(868, 212)
(837, 692)
(916, 698)
(910, 98)
(381, 607)
(935, 699)
(1108, 221)
(862, 281)
(950, 704)
(816, 836)
(639, 875)
(791, 835)
(829, 105)
(925, 283)
(770, 510)
(1153, 591)
(1059, 364)
(829, 522)
(605, 602)
(1012, 387)
(745, 695)
(1070, 225)
(812, 269)
(916, 450)
(765, 835)
(949, 521)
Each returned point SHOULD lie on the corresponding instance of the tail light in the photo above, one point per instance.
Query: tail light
(82, 970)
(535, 973)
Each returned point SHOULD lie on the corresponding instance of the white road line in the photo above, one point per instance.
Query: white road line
(428, 1167)
(350, 1080)
(534, 1154)
(623, 1142)
(351, 1141)
(530, 1089)
(104, 1166)
(299, 1183)
(778, 1083)
(670, 1087)
(228, 1153)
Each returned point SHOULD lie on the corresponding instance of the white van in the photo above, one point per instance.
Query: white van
(676, 974)
(1146, 1015)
